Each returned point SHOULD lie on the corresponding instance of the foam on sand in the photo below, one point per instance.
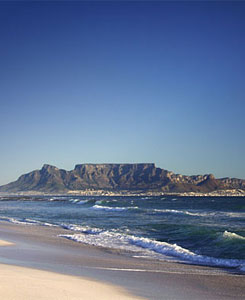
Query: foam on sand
(27, 222)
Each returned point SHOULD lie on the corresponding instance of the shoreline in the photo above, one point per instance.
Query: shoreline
(24, 276)
(105, 193)
(233, 266)
(41, 248)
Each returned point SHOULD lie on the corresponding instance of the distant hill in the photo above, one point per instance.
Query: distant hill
(117, 177)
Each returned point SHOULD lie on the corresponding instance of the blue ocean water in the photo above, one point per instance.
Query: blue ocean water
(202, 230)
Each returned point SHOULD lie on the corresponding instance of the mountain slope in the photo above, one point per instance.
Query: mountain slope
(137, 177)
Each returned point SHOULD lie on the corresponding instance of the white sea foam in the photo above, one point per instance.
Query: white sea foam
(242, 268)
(182, 253)
(82, 202)
(168, 211)
(234, 214)
(57, 198)
(21, 222)
(83, 229)
(147, 246)
(15, 221)
(99, 201)
(110, 208)
(232, 235)
(27, 222)
(212, 214)
(78, 201)
(182, 212)
(107, 239)
(74, 200)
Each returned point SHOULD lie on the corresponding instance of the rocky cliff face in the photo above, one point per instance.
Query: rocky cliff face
(141, 177)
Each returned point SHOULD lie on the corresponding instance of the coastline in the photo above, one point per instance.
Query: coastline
(40, 248)
(105, 193)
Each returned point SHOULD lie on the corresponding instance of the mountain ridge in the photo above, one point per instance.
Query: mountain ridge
(118, 177)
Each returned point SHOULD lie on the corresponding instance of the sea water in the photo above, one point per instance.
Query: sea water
(201, 230)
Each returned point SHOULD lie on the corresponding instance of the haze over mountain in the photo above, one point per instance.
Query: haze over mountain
(117, 177)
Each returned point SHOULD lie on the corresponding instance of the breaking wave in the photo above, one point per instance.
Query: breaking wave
(109, 239)
(187, 230)
(78, 201)
(200, 214)
(109, 208)
(232, 235)
(27, 222)
(182, 212)
(143, 246)
(83, 229)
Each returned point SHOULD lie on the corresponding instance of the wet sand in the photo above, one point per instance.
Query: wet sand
(37, 249)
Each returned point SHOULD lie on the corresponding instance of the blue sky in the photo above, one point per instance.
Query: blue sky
(119, 81)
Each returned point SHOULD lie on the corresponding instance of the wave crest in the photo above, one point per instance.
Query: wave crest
(110, 208)
(232, 235)
(133, 243)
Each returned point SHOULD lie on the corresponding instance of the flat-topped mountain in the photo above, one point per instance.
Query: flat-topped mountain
(117, 177)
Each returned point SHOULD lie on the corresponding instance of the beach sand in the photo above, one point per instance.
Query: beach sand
(22, 283)
(5, 243)
(37, 264)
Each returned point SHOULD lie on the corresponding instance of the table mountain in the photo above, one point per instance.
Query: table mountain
(117, 177)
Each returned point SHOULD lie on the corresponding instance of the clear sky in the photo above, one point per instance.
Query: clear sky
(97, 82)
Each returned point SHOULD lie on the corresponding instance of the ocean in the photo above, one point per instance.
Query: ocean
(197, 230)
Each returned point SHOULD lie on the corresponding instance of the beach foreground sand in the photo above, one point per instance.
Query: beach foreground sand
(5, 243)
(35, 263)
(24, 283)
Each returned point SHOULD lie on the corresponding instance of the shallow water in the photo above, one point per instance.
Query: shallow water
(208, 230)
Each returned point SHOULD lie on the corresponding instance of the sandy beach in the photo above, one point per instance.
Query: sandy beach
(36, 263)
(24, 283)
